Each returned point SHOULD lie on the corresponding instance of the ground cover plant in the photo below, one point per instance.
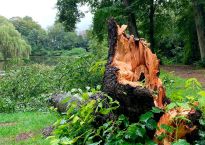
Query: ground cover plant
(81, 125)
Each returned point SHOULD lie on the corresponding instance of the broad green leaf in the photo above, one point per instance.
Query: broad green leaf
(161, 136)
(75, 119)
(140, 131)
(167, 128)
(85, 96)
(145, 117)
(151, 124)
(105, 111)
(69, 141)
(181, 142)
(156, 110)
(65, 100)
(202, 93)
(171, 106)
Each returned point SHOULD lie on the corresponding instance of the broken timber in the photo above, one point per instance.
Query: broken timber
(132, 78)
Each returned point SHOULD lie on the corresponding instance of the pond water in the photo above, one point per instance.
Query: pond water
(48, 60)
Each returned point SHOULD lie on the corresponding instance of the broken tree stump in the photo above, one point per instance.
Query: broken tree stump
(132, 78)
(132, 72)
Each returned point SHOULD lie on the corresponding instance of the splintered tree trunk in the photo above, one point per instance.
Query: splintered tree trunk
(131, 74)
(132, 78)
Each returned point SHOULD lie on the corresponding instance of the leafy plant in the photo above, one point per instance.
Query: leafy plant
(78, 73)
(25, 88)
(81, 124)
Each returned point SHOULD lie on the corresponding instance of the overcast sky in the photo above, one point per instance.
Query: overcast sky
(42, 11)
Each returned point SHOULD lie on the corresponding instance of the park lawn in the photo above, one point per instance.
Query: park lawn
(175, 86)
(13, 125)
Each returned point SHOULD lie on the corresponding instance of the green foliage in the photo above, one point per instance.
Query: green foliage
(31, 32)
(176, 41)
(186, 93)
(106, 10)
(28, 87)
(12, 45)
(78, 73)
(42, 41)
(75, 52)
(201, 141)
(181, 142)
(25, 88)
(60, 39)
(199, 64)
(80, 124)
(68, 9)
(99, 49)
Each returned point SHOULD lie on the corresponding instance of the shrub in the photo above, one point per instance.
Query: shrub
(78, 73)
(25, 88)
(28, 87)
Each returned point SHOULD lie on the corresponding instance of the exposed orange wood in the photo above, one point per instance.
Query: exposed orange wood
(135, 59)
(180, 125)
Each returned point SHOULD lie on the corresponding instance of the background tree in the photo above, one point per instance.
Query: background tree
(11, 42)
(199, 15)
(32, 32)
(59, 39)
(69, 14)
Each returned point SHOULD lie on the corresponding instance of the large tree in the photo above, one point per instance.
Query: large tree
(60, 39)
(11, 42)
(32, 32)
(169, 25)
(69, 14)
(199, 15)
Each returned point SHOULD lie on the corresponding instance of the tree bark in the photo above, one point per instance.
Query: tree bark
(129, 63)
(151, 27)
(200, 26)
(132, 26)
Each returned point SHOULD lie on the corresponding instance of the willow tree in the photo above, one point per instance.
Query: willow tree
(12, 45)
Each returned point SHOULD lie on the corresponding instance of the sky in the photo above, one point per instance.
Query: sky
(42, 11)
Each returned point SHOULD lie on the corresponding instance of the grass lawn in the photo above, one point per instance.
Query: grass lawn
(175, 87)
(29, 123)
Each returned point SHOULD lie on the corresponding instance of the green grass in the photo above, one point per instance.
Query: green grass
(24, 122)
(172, 82)
(175, 87)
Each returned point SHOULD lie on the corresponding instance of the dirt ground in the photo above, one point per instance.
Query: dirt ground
(186, 71)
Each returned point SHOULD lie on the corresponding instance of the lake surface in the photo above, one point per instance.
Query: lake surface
(48, 60)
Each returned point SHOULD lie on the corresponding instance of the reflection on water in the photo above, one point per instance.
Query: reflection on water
(52, 60)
